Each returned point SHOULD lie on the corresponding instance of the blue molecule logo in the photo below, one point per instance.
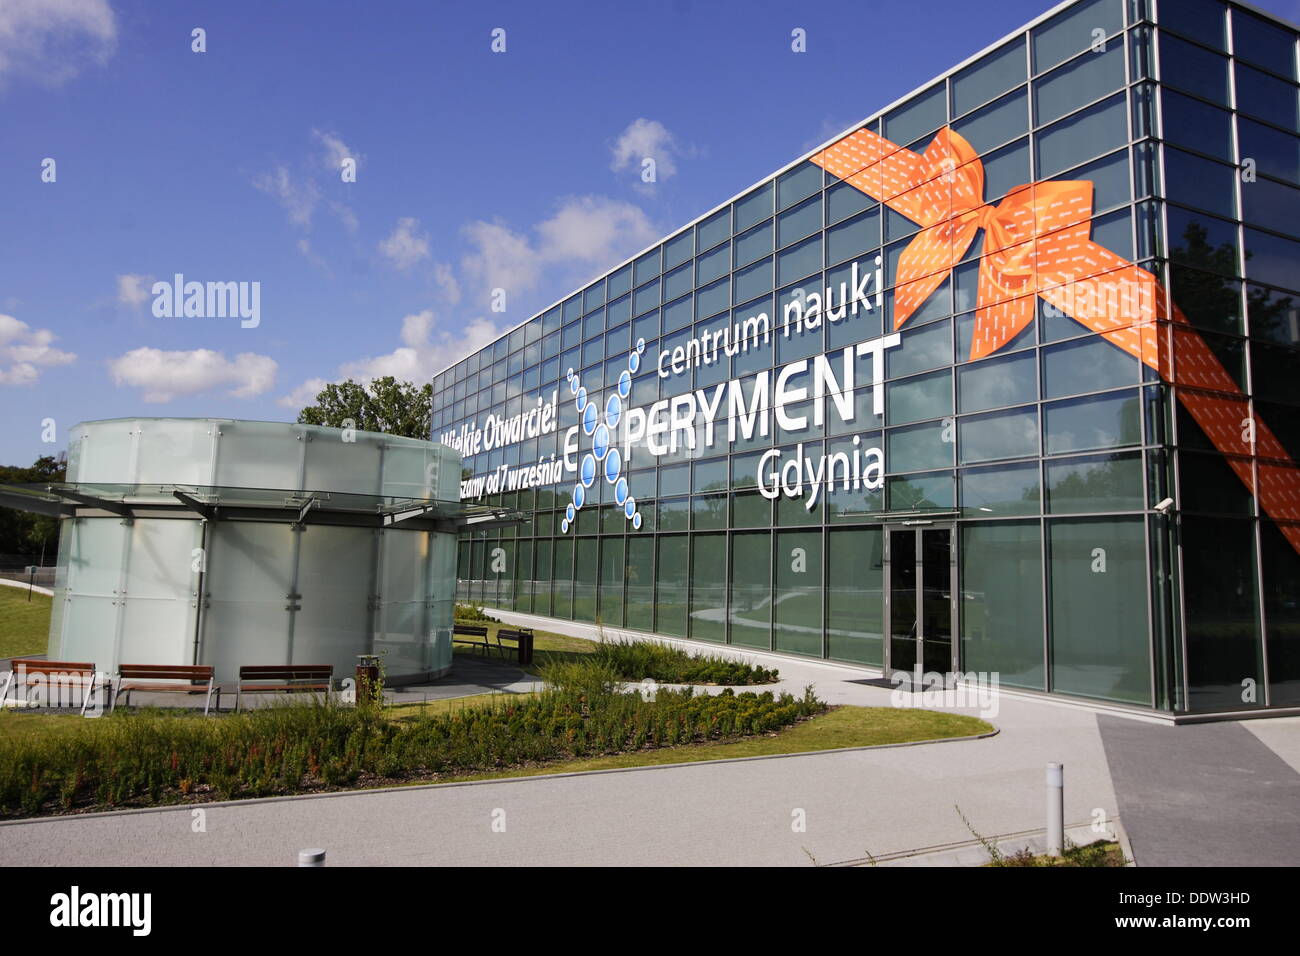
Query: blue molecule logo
(602, 443)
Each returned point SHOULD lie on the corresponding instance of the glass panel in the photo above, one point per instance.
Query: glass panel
(640, 583)
(1095, 483)
(992, 383)
(995, 73)
(1224, 654)
(1281, 572)
(1078, 83)
(902, 600)
(754, 244)
(1272, 259)
(1098, 129)
(1105, 421)
(679, 249)
(915, 399)
(1266, 96)
(936, 600)
(799, 261)
(1264, 43)
(1202, 182)
(713, 230)
(1194, 69)
(920, 349)
(563, 586)
(1002, 601)
(753, 208)
(1004, 490)
(999, 435)
(996, 123)
(671, 584)
(922, 113)
(1271, 205)
(919, 447)
(1201, 20)
(798, 594)
(708, 587)
(854, 597)
(1086, 365)
(751, 589)
(613, 560)
(853, 238)
(1097, 608)
(800, 182)
(1071, 32)
(843, 200)
(1198, 125)
(794, 224)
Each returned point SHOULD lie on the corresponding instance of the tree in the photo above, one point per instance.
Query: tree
(24, 532)
(385, 405)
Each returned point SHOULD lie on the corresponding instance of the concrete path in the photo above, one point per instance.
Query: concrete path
(832, 807)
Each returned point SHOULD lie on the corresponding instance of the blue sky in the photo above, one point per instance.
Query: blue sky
(475, 170)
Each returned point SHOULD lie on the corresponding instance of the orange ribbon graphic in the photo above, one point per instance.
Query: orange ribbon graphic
(1037, 245)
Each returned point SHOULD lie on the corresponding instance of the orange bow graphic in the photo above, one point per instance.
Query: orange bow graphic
(1037, 245)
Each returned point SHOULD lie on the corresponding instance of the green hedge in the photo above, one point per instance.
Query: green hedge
(638, 660)
(153, 757)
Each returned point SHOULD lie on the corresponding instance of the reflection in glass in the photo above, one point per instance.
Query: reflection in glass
(1002, 601)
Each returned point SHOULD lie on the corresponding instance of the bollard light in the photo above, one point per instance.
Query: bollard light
(1055, 809)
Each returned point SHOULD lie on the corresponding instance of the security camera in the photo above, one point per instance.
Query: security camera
(1164, 506)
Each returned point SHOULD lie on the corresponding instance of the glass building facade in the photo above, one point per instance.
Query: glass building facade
(1002, 380)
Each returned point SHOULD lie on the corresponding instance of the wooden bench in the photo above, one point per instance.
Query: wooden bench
(288, 678)
(523, 643)
(31, 673)
(169, 679)
(475, 635)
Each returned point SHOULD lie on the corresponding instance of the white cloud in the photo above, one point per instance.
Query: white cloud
(51, 40)
(24, 351)
(304, 395)
(445, 277)
(133, 289)
(298, 196)
(426, 350)
(586, 231)
(166, 375)
(300, 193)
(304, 246)
(334, 151)
(405, 247)
(648, 138)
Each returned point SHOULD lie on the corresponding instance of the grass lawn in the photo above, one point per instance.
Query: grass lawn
(24, 626)
(547, 646)
(839, 727)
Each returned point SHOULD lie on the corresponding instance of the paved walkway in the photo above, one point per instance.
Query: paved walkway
(1207, 794)
(852, 804)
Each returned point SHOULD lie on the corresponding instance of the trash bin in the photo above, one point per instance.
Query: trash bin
(367, 677)
(525, 646)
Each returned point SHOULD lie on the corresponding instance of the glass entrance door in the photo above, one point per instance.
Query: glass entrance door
(920, 599)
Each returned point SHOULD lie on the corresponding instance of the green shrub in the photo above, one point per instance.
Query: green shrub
(474, 614)
(156, 756)
(638, 660)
